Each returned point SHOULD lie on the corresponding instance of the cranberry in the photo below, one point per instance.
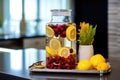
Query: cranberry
(49, 60)
(57, 57)
(63, 34)
(59, 66)
(56, 35)
(62, 29)
(51, 25)
(55, 29)
(59, 62)
(59, 26)
(68, 61)
(67, 65)
(63, 59)
(71, 50)
(51, 66)
(58, 32)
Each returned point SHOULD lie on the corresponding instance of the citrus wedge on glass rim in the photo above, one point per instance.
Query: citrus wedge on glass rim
(49, 31)
(64, 52)
(54, 44)
(71, 33)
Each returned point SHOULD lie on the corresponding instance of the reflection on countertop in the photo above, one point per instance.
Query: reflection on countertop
(16, 62)
(9, 36)
(17, 41)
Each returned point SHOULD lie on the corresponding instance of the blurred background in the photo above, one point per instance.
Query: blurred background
(36, 13)
(104, 13)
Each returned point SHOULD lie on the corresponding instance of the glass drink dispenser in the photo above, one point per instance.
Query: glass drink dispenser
(61, 40)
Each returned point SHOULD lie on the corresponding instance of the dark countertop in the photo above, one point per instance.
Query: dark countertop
(15, 63)
(17, 41)
(18, 36)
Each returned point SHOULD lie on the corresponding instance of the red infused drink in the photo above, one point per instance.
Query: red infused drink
(61, 41)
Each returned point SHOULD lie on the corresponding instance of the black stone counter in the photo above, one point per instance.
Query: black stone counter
(14, 66)
(17, 41)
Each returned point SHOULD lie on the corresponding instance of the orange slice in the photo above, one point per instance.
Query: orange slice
(71, 33)
(49, 31)
(55, 44)
(64, 52)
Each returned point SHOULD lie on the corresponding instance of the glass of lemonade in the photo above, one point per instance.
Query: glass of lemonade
(61, 41)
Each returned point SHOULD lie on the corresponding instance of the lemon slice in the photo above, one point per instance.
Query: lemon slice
(64, 52)
(55, 44)
(49, 31)
(71, 33)
(50, 51)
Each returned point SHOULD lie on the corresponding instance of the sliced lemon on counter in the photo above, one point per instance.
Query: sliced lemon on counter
(64, 52)
(49, 31)
(50, 51)
(55, 44)
(71, 33)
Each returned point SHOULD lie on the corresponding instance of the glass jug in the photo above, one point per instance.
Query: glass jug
(61, 40)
